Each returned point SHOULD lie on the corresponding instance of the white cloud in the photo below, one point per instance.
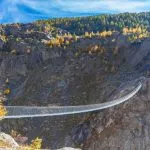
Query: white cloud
(103, 5)
(87, 6)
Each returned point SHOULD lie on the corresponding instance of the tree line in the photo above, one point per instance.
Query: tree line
(108, 22)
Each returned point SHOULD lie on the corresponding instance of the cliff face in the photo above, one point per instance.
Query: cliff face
(123, 127)
(40, 75)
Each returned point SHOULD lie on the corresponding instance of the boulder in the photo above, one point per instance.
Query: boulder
(6, 141)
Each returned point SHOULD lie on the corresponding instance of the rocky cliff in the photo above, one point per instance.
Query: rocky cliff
(81, 73)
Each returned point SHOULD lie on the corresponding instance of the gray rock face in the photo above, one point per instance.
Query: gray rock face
(123, 127)
(141, 53)
(135, 54)
(1, 44)
(122, 42)
(12, 66)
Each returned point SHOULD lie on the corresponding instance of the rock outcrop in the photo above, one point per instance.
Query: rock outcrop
(7, 142)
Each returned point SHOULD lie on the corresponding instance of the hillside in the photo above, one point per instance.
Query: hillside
(75, 61)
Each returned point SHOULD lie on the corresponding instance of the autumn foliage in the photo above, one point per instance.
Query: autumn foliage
(36, 144)
(7, 91)
(127, 30)
(98, 34)
(3, 110)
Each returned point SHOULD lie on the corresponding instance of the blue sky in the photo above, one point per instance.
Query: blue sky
(12, 11)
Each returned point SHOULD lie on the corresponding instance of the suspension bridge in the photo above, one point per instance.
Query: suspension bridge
(38, 111)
